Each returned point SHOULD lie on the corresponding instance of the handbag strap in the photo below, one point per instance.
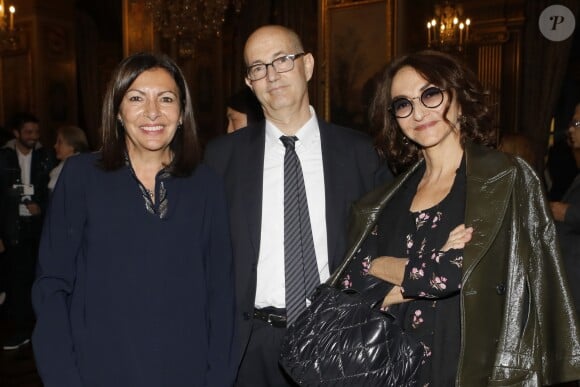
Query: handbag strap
(373, 289)
(364, 217)
(332, 281)
(365, 240)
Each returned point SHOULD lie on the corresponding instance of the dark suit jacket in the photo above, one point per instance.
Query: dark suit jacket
(349, 162)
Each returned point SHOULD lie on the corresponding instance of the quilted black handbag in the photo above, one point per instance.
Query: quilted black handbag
(344, 339)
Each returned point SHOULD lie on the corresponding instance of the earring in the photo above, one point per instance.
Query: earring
(405, 140)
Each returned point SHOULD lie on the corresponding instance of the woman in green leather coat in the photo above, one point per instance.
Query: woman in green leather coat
(465, 236)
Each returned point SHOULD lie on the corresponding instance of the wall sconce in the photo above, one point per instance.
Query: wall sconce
(8, 38)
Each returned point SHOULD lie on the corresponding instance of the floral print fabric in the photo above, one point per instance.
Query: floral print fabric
(432, 278)
(430, 275)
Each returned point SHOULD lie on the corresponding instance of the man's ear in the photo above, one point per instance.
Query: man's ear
(249, 83)
(16, 133)
(308, 65)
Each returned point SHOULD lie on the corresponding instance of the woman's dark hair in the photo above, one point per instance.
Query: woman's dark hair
(448, 73)
(74, 137)
(185, 144)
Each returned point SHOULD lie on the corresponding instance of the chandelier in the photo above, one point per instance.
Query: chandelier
(448, 30)
(186, 21)
(8, 39)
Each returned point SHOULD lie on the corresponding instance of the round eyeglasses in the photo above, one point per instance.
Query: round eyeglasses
(431, 98)
(281, 64)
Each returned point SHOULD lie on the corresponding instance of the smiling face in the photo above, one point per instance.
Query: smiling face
(425, 126)
(279, 92)
(27, 136)
(150, 112)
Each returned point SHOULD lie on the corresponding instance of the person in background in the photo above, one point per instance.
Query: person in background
(70, 140)
(561, 166)
(5, 136)
(463, 236)
(566, 213)
(243, 109)
(24, 169)
(135, 282)
(326, 167)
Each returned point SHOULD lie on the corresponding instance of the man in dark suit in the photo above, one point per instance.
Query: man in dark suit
(338, 166)
(567, 216)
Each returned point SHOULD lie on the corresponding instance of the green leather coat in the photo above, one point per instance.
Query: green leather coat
(518, 322)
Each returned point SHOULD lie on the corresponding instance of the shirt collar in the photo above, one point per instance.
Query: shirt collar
(23, 155)
(306, 134)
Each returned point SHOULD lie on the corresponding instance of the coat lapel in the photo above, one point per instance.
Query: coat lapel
(488, 190)
(251, 182)
(333, 164)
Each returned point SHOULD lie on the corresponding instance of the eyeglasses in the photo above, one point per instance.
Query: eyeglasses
(431, 98)
(281, 64)
(574, 124)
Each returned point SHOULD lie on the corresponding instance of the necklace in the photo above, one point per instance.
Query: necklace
(151, 193)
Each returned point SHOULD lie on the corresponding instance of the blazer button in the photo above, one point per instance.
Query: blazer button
(500, 289)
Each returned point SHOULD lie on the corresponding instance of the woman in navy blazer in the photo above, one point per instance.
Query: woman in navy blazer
(135, 283)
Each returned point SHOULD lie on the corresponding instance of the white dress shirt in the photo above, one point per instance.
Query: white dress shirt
(270, 290)
(25, 162)
(54, 174)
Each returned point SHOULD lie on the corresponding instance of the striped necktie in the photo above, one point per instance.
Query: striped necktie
(301, 269)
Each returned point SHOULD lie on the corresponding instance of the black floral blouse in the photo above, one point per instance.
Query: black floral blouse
(432, 277)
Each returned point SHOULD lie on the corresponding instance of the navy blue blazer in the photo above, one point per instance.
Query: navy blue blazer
(349, 162)
(126, 298)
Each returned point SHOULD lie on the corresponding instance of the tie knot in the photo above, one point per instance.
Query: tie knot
(288, 141)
